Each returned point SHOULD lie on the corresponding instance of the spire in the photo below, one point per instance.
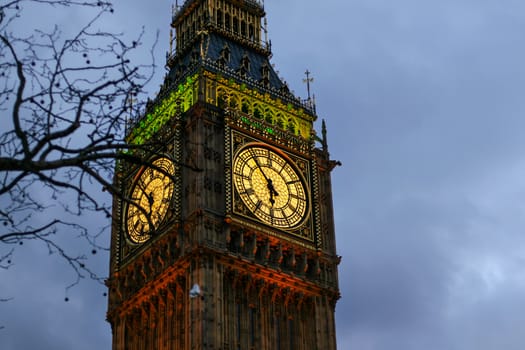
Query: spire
(308, 80)
(324, 141)
(310, 101)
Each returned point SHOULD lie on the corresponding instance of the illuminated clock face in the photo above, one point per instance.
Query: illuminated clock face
(270, 186)
(151, 195)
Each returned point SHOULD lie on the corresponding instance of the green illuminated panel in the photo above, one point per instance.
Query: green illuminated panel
(179, 100)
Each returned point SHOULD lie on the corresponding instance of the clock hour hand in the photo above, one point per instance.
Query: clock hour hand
(272, 191)
(151, 199)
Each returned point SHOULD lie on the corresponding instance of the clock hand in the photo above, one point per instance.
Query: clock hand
(271, 188)
(269, 183)
(151, 199)
(272, 191)
(260, 167)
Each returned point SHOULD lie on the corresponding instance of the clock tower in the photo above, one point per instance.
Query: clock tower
(225, 237)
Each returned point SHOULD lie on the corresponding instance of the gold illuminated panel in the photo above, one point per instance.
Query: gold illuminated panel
(151, 196)
(270, 186)
(263, 107)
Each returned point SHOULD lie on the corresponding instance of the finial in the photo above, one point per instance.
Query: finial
(265, 29)
(324, 141)
(202, 34)
(308, 80)
(171, 41)
(310, 102)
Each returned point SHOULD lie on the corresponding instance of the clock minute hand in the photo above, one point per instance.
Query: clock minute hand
(269, 183)
(260, 168)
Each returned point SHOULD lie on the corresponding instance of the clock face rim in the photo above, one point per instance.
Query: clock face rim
(291, 205)
(157, 180)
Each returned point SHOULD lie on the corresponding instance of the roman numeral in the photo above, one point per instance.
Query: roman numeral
(241, 175)
(293, 195)
(249, 191)
(291, 182)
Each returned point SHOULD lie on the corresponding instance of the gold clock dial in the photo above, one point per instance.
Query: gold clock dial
(151, 195)
(270, 186)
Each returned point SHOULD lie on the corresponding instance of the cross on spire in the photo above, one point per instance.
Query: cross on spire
(308, 80)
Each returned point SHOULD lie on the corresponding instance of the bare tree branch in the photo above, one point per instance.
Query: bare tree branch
(68, 98)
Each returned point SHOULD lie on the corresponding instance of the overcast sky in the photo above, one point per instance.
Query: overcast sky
(424, 104)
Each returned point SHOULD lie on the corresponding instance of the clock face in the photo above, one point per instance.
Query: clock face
(270, 186)
(151, 195)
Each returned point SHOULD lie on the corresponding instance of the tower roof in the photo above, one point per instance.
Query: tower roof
(216, 53)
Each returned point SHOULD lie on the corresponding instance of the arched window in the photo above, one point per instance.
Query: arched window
(219, 18)
(234, 102)
(257, 113)
(245, 65)
(225, 53)
(224, 56)
(235, 25)
(265, 75)
(222, 98)
(243, 28)
(291, 126)
(279, 121)
(245, 108)
(251, 33)
(227, 21)
(268, 116)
